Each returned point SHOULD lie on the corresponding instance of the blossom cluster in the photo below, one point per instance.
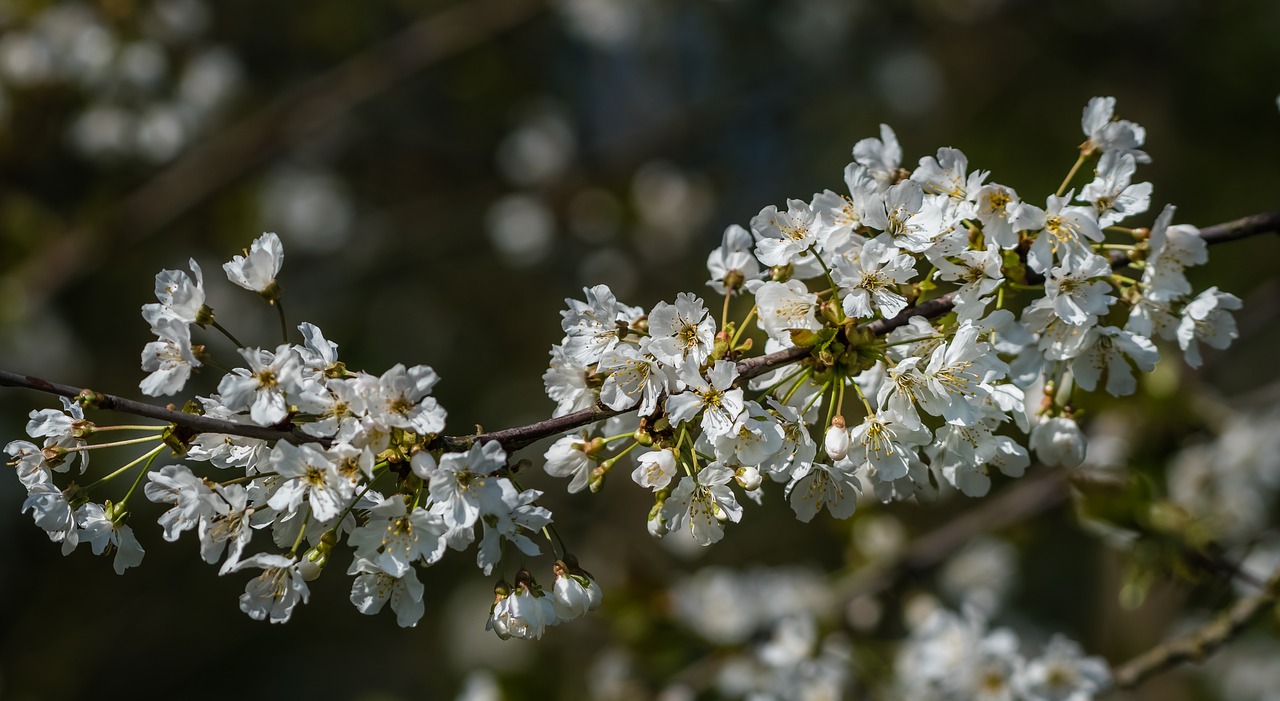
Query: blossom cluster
(774, 638)
(921, 331)
(1036, 310)
(956, 657)
(148, 85)
(354, 429)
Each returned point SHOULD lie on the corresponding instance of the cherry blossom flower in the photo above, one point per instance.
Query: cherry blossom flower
(102, 533)
(870, 281)
(784, 238)
(701, 502)
(733, 266)
(814, 485)
(169, 359)
(264, 387)
(682, 332)
(713, 397)
(655, 469)
(565, 458)
(181, 298)
(272, 595)
(374, 587)
(256, 270)
(785, 306)
(1207, 319)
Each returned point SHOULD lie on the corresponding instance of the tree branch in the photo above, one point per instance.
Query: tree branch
(1202, 642)
(521, 436)
(195, 422)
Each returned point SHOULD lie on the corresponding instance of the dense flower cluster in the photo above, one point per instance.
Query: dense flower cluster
(1016, 308)
(357, 428)
(1038, 309)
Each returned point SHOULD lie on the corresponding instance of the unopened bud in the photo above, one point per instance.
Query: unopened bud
(596, 482)
(657, 525)
(836, 442)
(643, 437)
(311, 569)
(114, 513)
(721, 346)
(90, 399)
(748, 476)
(314, 560)
(831, 311)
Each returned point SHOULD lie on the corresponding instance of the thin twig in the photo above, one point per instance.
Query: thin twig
(514, 438)
(1202, 642)
(195, 422)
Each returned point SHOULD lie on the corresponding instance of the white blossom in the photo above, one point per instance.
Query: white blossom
(682, 332)
(1207, 319)
(272, 595)
(784, 238)
(700, 503)
(374, 587)
(101, 533)
(565, 458)
(256, 270)
(655, 469)
(714, 397)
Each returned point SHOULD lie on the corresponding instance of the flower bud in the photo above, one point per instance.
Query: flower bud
(314, 560)
(596, 483)
(657, 525)
(569, 596)
(748, 476)
(1059, 441)
(721, 346)
(836, 442)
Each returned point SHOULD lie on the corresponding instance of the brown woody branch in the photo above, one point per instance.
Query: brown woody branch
(521, 436)
(1202, 642)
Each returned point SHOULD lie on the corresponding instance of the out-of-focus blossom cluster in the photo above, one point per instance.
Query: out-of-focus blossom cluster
(773, 620)
(1229, 483)
(953, 657)
(149, 82)
(777, 638)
